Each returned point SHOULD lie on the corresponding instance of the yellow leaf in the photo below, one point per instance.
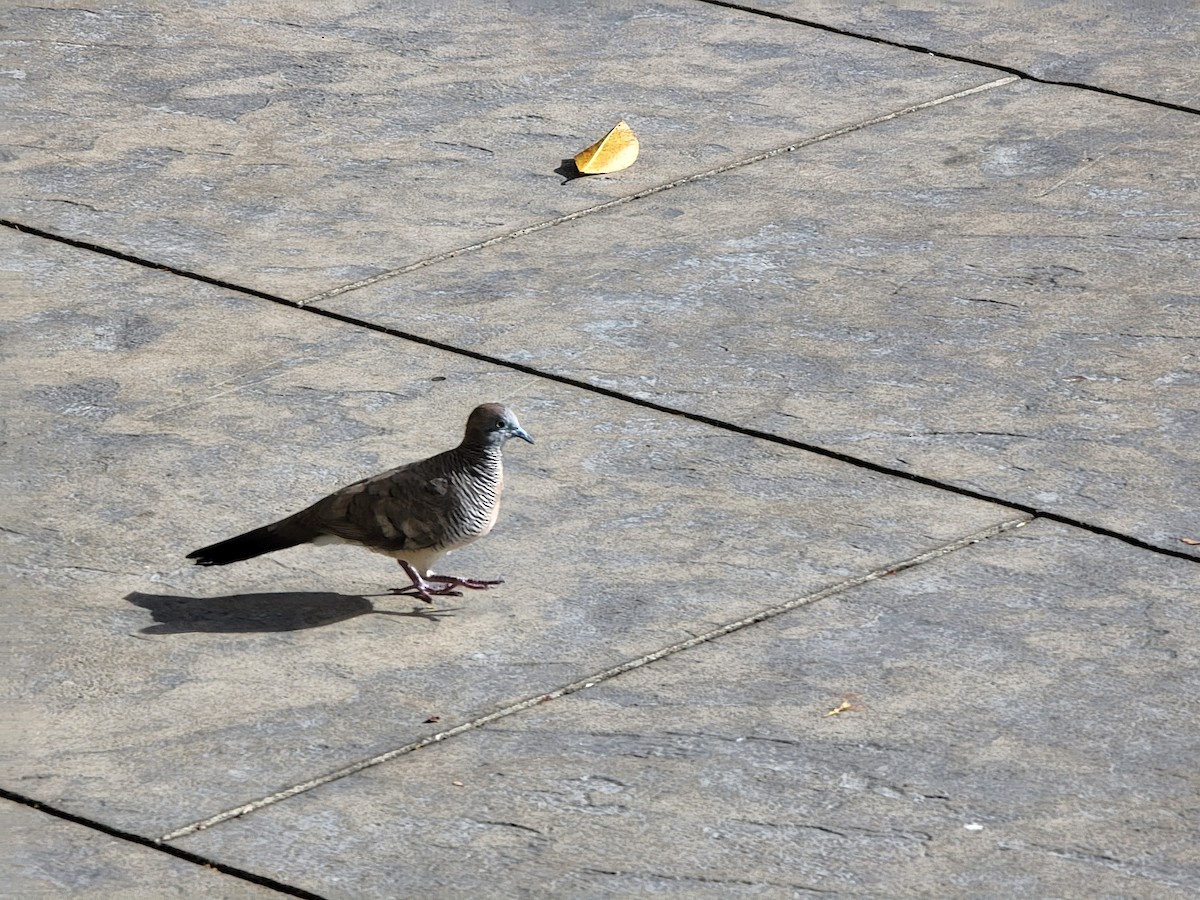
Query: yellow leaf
(615, 151)
(849, 704)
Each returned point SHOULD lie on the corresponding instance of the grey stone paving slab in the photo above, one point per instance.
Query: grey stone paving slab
(1149, 48)
(298, 148)
(151, 415)
(1022, 723)
(999, 292)
(47, 857)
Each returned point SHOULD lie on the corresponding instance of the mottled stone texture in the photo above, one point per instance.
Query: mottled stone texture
(1004, 731)
(797, 378)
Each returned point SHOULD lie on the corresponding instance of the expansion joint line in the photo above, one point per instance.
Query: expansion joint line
(510, 235)
(601, 676)
(950, 57)
(581, 384)
(197, 859)
(656, 189)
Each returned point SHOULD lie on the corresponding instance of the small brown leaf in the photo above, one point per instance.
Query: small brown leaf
(1191, 542)
(849, 704)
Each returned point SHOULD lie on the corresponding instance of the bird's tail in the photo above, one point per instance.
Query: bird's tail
(267, 539)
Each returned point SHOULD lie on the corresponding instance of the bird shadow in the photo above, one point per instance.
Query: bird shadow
(255, 613)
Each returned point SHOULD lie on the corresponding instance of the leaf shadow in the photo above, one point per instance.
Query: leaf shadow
(568, 170)
(256, 613)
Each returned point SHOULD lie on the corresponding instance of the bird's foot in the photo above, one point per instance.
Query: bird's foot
(427, 586)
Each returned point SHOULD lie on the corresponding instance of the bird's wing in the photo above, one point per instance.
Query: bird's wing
(403, 509)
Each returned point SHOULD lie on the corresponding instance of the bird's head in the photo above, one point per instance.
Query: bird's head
(491, 424)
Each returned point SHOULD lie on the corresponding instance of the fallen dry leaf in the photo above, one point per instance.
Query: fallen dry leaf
(1190, 542)
(615, 151)
(849, 704)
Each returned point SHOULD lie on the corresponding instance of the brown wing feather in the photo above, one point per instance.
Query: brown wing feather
(402, 509)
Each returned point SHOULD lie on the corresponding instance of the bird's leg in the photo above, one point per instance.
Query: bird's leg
(422, 588)
(477, 584)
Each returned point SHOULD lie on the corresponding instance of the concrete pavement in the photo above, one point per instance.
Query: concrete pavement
(856, 551)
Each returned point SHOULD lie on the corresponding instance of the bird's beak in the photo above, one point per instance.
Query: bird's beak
(522, 434)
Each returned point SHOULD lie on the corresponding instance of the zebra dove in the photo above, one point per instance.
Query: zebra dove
(416, 513)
